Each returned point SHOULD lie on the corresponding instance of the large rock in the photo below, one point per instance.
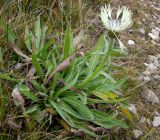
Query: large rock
(149, 96)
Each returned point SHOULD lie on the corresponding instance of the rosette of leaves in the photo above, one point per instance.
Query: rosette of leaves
(71, 83)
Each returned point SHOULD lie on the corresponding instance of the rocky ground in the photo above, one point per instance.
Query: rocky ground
(143, 43)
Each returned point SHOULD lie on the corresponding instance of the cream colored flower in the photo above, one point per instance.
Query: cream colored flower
(119, 23)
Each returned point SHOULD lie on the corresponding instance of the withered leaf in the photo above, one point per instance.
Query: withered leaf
(12, 124)
(18, 51)
(17, 96)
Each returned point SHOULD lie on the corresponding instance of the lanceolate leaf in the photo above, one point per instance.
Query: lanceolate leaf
(7, 77)
(68, 43)
(25, 91)
(28, 39)
(37, 34)
(94, 60)
(37, 65)
(43, 52)
(67, 86)
(61, 112)
(10, 34)
(99, 67)
(31, 109)
(70, 110)
(79, 107)
(106, 121)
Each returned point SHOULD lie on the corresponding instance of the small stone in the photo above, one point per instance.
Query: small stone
(146, 78)
(132, 109)
(146, 64)
(149, 95)
(131, 42)
(156, 77)
(141, 78)
(151, 68)
(157, 114)
(156, 63)
(156, 122)
(152, 57)
(146, 73)
(142, 31)
(154, 37)
(158, 29)
(143, 120)
(155, 32)
(137, 133)
(158, 56)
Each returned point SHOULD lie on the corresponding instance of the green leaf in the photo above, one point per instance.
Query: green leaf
(107, 121)
(85, 129)
(68, 43)
(43, 51)
(10, 34)
(43, 36)
(6, 77)
(61, 112)
(37, 27)
(31, 109)
(108, 76)
(28, 39)
(36, 85)
(79, 107)
(94, 60)
(25, 91)
(83, 126)
(69, 110)
(121, 82)
(68, 86)
(99, 67)
(37, 65)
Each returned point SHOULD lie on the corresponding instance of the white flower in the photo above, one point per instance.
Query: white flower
(122, 20)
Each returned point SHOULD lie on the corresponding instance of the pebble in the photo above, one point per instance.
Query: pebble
(156, 77)
(142, 31)
(137, 133)
(152, 57)
(151, 68)
(156, 63)
(143, 120)
(131, 42)
(155, 32)
(146, 78)
(146, 73)
(156, 113)
(156, 122)
(132, 109)
(158, 29)
(150, 96)
(154, 37)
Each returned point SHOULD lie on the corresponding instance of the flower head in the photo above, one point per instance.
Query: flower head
(122, 20)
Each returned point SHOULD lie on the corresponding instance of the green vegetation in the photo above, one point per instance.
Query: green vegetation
(56, 83)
